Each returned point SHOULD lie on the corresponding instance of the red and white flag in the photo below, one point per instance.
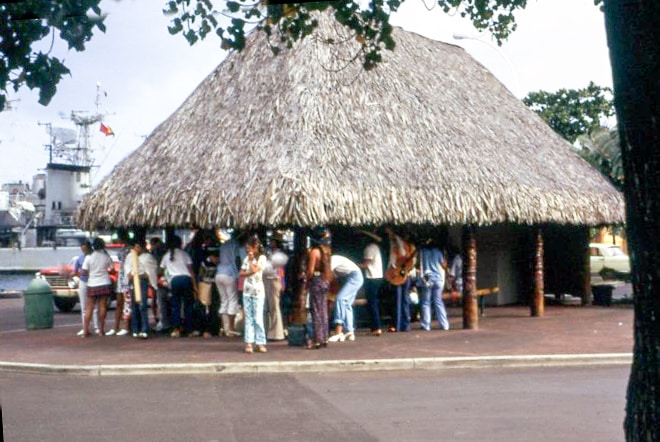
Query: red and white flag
(106, 130)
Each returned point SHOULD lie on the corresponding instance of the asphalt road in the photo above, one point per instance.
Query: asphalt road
(12, 316)
(550, 404)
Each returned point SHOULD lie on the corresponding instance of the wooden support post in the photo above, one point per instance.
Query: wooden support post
(586, 269)
(538, 300)
(470, 304)
(299, 284)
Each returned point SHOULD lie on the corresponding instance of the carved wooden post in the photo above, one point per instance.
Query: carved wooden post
(470, 304)
(538, 301)
(299, 283)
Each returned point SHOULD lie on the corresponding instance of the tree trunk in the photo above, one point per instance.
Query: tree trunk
(470, 304)
(634, 39)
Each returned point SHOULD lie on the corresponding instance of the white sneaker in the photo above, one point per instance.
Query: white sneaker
(110, 332)
(122, 332)
(80, 333)
(143, 335)
(350, 336)
(339, 337)
(97, 332)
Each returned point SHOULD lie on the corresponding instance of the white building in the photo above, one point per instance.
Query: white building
(66, 185)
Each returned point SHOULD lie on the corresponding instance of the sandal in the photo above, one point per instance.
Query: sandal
(262, 349)
(248, 349)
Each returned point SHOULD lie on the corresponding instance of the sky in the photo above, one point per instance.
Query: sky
(145, 73)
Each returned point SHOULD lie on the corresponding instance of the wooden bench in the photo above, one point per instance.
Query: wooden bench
(455, 297)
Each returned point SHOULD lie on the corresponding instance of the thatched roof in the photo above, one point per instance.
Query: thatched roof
(306, 138)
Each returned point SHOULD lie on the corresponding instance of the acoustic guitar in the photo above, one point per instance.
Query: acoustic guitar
(397, 275)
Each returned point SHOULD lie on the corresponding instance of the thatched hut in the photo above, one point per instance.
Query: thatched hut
(307, 137)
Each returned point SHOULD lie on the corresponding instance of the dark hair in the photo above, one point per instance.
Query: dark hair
(122, 235)
(321, 235)
(255, 242)
(137, 242)
(87, 243)
(173, 242)
(429, 243)
(277, 239)
(98, 243)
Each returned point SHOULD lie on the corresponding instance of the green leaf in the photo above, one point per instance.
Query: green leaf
(233, 6)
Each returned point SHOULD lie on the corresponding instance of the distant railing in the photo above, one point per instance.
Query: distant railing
(58, 219)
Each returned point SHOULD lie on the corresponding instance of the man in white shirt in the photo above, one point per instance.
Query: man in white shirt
(402, 261)
(372, 264)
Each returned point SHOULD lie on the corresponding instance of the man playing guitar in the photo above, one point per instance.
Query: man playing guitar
(402, 261)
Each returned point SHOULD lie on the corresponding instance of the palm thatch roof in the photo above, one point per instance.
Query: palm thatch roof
(307, 137)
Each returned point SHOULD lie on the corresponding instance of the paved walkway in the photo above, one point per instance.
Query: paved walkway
(507, 336)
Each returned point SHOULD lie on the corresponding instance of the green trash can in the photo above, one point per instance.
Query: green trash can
(38, 305)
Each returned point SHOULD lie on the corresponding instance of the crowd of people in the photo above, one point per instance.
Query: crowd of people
(241, 282)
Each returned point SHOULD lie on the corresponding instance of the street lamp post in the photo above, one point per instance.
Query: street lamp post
(514, 76)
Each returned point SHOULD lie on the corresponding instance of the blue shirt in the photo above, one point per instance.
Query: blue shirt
(431, 259)
(77, 268)
(227, 259)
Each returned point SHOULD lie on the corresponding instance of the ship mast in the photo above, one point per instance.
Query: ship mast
(68, 173)
(82, 153)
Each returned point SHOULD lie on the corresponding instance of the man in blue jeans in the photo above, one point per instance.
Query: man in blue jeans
(402, 260)
(433, 267)
(372, 264)
(349, 273)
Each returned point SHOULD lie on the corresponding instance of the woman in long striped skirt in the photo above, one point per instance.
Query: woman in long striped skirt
(319, 277)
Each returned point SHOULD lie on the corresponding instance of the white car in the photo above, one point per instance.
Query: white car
(608, 260)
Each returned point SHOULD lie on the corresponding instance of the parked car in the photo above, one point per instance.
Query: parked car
(64, 283)
(609, 261)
